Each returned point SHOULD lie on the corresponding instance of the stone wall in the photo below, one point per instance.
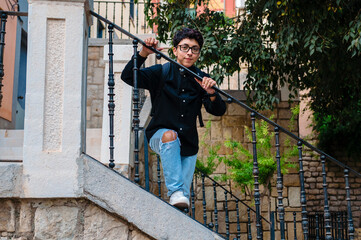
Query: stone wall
(25, 219)
(231, 125)
(95, 86)
(335, 186)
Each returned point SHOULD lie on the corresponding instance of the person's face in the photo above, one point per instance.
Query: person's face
(187, 58)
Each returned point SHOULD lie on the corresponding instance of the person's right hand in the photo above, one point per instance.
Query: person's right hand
(144, 52)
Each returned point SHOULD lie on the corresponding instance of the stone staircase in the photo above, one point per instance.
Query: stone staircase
(109, 207)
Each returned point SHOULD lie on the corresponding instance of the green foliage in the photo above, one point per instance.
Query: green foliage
(314, 45)
(240, 162)
(215, 27)
(207, 164)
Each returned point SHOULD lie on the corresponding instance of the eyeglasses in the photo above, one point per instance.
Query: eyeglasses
(185, 48)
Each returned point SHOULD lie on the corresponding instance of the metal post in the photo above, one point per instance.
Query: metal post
(349, 211)
(2, 46)
(280, 186)
(294, 226)
(136, 112)
(193, 202)
(303, 193)
(146, 162)
(111, 104)
(215, 207)
(238, 225)
(249, 228)
(227, 215)
(326, 207)
(255, 174)
(158, 175)
(204, 202)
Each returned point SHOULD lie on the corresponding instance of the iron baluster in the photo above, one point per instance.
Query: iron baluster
(339, 226)
(192, 198)
(333, 226)
(294, 226)
(255, 174)
(137, 21)
(106, 16)
(114, 11)
(2, 46)
(280, 186)
(249, 228)
(146, 162)
(121, 19)
(136, 112)
(326, 207)
(227, 216)
(303, 193)
(349, 212)
(272, 226)
(204, 201)
(215, 207)
(111, 105)
(317, 228)
(238, 225)
(158, 175)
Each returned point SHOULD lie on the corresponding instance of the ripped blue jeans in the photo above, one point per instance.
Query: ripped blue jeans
(178, 170)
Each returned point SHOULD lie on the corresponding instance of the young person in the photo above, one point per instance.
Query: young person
(177, 99)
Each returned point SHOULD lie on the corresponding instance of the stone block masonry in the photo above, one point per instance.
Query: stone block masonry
(95, 86)
(25, 219)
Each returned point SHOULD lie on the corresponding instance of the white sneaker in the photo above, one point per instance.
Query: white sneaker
(178, 200)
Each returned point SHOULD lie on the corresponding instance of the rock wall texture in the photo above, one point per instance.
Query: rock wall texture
(95, 86)
(62, 219)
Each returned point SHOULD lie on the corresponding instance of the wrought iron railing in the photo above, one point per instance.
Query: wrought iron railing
(126, 14)
(4, 15)
(328, 226)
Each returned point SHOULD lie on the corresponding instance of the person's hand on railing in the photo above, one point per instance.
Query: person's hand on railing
(152, 42)
(207, 83)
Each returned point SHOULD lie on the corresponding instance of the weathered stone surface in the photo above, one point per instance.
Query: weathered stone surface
(10, 178)
(25, 217)
(100, 225)
(235, 109)
(7, 217)
(294, 196)
(56, 222)
(291, 180)
(136, 235)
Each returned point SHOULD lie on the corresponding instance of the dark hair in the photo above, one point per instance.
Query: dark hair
(187, 33)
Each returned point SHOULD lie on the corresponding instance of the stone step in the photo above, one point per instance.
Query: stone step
(153, 216)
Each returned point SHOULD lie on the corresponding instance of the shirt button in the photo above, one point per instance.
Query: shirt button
(184, 100)
(181, 129)
(182, 115)
(183, 90)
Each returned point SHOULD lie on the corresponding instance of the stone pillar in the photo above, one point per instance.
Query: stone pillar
(54, 131)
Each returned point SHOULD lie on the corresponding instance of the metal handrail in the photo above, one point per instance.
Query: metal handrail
(219, 185)
(11, 13)
(230, 97)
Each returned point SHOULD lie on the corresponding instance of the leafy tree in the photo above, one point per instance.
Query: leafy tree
(303, 44)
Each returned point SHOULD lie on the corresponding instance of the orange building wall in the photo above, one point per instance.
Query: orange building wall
(9, 63)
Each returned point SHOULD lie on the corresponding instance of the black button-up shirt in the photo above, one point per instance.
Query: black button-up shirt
(178, 103)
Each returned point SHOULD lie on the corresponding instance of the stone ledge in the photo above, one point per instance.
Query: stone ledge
(118, 195)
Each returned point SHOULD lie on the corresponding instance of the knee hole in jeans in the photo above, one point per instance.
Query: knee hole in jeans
(169, 136)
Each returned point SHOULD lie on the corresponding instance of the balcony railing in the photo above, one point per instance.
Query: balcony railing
(126, 14)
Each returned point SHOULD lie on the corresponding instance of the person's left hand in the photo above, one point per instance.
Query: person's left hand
(207, 84)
